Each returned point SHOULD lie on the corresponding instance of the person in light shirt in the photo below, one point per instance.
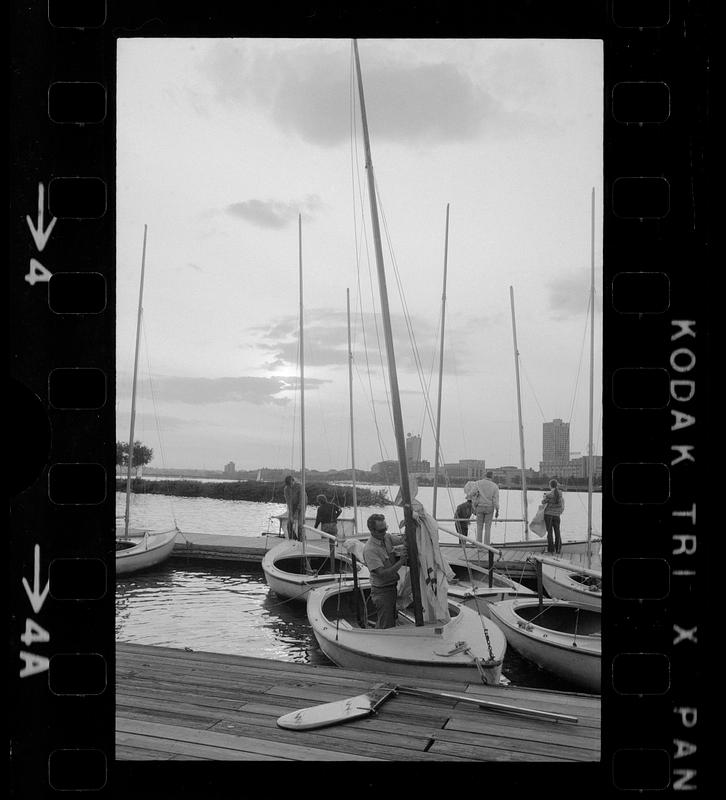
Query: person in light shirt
(484, 496)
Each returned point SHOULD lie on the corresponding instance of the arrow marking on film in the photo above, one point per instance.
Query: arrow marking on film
(36, 597)
(40, 236)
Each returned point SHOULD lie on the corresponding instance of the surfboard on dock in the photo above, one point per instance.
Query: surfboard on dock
(363, 705)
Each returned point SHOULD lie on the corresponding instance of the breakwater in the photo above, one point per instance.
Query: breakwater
(255, 491)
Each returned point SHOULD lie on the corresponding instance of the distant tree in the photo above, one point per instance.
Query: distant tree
(142, 454)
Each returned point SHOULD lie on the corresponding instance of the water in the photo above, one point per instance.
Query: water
(246, 518)
(228, 609)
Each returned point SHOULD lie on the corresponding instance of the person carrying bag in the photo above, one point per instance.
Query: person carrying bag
(554, 505)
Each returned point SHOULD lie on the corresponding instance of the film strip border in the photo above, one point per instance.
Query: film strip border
(62, 332)
(63, 339)
(654, 96)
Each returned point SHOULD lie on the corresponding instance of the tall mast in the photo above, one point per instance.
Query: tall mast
(352, 436)
(410, 525)
(441, 365)
(133, 389)
(519, 413)
(591, 459)
(303, 496)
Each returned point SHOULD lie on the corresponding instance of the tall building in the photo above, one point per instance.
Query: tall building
(413, 447)
(555, 446)
(556, 442)
(229, 468)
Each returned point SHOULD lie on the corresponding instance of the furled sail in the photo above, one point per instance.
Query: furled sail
(434, 571)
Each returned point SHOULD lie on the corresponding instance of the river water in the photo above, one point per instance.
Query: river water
(227, 608)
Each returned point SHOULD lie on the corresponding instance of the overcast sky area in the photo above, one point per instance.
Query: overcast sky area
(222, 143)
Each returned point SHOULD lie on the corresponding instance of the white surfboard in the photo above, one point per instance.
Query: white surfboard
(339, 711)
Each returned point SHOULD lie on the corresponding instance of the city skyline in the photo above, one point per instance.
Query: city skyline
(558, 443)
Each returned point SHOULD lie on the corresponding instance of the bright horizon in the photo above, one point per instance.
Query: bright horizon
(221, 143)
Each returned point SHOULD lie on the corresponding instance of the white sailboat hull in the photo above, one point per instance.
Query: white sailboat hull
(575, 657)
(515, 556)
(563, 584)
(407, 650)
(147, 549)
(472, 586)
(292, 573)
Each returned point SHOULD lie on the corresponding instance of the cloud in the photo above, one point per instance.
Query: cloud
(326, 342)
(273, 213)
(149, 422)
(306, 91)
(569, 295)
(205, 391)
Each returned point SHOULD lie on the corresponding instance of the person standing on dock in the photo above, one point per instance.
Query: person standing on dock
(327, 516)
(484, 495)
(293, 497)
(383, 565)
(554, 505)
(462, 515)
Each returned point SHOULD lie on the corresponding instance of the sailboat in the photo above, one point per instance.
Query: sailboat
(515, 557)
(435, 637)
(470, 583)
(295, 566)
(561, 634)
(568, 578)
(138, 549)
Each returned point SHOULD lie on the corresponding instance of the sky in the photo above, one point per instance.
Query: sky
(223, 145)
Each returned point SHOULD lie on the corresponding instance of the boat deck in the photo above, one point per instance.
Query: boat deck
(177, 705)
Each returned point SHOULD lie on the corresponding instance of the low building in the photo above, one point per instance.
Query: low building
(583, 466)
(467, 468)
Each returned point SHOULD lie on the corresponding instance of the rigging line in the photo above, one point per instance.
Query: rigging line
(407, 317)
(433, 366)
(370, 280)
(579, 364)
(156, 421)
(356, 173)
(534, 394)
(383, 453)
(294, 409)
(365, 345)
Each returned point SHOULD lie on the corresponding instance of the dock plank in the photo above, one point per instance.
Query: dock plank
(243, 744)
(176, 704)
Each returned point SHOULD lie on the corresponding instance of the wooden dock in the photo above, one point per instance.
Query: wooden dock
(177, 705)
(224, 547)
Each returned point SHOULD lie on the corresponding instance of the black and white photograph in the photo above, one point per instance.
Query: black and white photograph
(359, 357)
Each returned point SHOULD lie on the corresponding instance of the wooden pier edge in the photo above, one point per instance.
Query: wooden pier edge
(174, 704)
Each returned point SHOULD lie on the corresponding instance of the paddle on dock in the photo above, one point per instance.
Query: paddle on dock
(363, 705)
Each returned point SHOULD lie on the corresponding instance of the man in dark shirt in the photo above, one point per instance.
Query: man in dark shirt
(327, 516)
(463, 513)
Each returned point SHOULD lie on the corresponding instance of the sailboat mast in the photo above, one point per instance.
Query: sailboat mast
(519, 414)
(410, 525)
(591, 459)
(133, 390)
(303, 496)
(441, 365)
(352, 436)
